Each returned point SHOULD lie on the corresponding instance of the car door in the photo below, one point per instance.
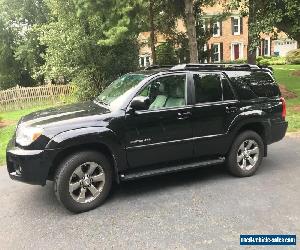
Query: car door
(214, 109)
(163, 132)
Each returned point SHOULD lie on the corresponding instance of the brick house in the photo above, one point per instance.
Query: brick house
(229, 41)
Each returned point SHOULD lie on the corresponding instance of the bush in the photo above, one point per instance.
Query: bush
(270, 60)
(293, 57)
(239, 61)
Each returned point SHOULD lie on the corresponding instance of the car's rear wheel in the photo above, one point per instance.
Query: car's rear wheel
(83, 181)
(246, 154)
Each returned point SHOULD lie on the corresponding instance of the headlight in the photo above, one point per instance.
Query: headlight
(27, 135)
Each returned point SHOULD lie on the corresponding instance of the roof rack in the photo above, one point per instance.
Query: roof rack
(214, 66)
(159, 67)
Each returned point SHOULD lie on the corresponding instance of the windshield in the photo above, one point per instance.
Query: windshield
(120, 88)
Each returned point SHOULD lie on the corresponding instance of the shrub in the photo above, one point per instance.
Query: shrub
(239, 61)
(293, 57)
(268, 60)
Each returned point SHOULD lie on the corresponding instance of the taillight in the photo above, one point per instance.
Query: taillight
(283, 113)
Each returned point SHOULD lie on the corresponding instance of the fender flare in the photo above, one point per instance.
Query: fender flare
(90, 135)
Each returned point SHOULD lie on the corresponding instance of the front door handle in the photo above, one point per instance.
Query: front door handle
(231, 109)
(184, 115)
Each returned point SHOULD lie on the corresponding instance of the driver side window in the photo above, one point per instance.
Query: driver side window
(166, 92)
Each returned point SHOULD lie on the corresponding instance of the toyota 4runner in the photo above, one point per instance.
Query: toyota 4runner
(156, 121)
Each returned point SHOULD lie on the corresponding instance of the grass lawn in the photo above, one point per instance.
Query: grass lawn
(284, 75)
(7, 132)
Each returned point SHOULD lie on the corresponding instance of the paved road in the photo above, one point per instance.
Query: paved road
(201, 209)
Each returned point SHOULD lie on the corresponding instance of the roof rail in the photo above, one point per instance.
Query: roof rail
(266, 67)
(214, 66)
(159, 67)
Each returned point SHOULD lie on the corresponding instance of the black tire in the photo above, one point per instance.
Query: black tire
(66, 170)
(232, 157)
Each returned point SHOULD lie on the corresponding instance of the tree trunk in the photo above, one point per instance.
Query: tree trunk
(152, 32)
(191, 31)
(251, 49)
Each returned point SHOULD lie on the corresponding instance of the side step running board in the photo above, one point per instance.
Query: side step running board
(170, 169)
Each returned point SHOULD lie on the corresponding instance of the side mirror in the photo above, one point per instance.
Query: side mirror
(140, 103)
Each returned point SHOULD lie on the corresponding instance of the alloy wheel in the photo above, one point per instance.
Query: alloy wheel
(248, 155)
(86, 182)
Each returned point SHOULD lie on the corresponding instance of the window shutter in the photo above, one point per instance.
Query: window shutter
(232, 25)
(212, 52)
(221, 28)
(241, 25)
(221, 52)
(207, 52)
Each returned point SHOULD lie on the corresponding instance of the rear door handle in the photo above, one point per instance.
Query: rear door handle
(184, 115)
(231, 109)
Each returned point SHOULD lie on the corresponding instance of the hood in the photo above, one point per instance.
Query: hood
(69, 116)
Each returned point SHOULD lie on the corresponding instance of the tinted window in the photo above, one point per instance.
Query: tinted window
(227, 91)
(166, 92)
(241, 83)
(263, 85)
(251, 85)
(207, 88)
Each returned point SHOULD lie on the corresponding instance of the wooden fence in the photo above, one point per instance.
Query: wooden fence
(21, 97)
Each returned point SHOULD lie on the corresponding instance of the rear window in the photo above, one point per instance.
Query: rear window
(207, 88)
(250, 85)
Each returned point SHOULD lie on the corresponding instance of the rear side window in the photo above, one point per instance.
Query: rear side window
(263, 85)
(227, 91)
(207, 88)
(241, 83)
(251, 85)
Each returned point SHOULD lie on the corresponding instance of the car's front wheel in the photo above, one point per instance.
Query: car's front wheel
(83, 181)
(246, 154)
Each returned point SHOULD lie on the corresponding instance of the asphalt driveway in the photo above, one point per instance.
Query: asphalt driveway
(200, 209)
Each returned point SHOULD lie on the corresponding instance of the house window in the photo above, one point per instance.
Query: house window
(236, 26)
(216, 29)
(144, 61)
(216, 56)
(266, 47)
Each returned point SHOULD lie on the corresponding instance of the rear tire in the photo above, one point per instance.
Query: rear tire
(83, 181)
(246, 154)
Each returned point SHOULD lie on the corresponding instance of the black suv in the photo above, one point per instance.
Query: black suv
(156, 121)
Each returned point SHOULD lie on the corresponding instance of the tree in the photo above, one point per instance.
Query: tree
(20, 17)
(152, 31)
(269, 17)
(90, 44)
(284, 15)
(166, 54)
(9, 67)
(191, 30)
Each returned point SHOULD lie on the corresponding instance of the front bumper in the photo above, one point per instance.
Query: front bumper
(29, 166)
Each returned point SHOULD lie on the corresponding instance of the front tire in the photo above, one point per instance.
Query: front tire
(246, 154)
(83, 181)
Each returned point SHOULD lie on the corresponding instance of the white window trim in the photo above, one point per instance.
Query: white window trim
(219, 50)
(144, 56)
(239, 26)
(219, 29)
(241, 47)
